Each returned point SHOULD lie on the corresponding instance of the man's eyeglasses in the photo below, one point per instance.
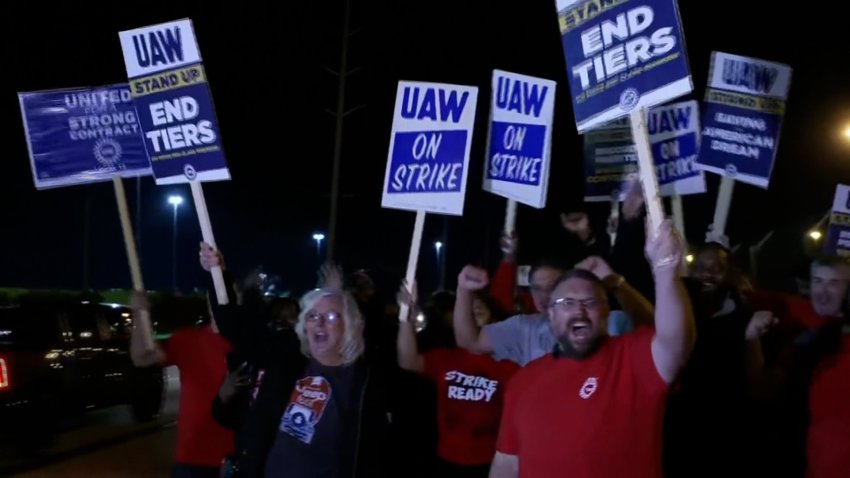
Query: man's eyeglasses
(328, 317)
(567, 304)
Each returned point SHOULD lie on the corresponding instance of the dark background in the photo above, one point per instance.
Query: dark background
(266, 67)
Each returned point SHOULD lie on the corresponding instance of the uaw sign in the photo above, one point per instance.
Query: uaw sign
(622, 55)
(82, 135)
(520, 138)
(744, 107)
(673, 132)
(174, 103)
(430, 142)
(838, 236)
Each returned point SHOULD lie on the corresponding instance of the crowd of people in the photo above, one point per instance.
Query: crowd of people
(618, 362)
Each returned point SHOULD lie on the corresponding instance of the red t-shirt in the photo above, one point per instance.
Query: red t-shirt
(470, 391)
(828, 447)
(792, 311)
(504, 293)
(200, 354)
(596, 418)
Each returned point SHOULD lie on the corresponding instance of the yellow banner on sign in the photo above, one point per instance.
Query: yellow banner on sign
(572, 18)
(840, 219)
(168, 80)
(755, 103)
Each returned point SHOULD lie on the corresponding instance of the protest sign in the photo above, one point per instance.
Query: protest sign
(622, 55)
(169, 86)
(82, 135)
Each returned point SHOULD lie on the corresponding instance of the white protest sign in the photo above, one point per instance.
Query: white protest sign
(428, 161)
(674, 130)
(520, 138)
(156, 48)
(685, 187)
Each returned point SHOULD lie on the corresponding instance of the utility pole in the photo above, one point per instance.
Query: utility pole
(340, 115)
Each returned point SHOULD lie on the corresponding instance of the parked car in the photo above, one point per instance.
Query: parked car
(60, 358)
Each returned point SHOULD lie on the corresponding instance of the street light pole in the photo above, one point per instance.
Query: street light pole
(175, 202)
(319, 237)
(438, 246)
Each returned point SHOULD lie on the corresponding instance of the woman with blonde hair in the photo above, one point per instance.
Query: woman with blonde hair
(320, 409)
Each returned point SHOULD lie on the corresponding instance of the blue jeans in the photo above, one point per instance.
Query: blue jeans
(180, 470)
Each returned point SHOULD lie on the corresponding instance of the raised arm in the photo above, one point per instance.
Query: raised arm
(674, 319)
(141, 354)
(503, 285)
(467, 333)
(244, 326)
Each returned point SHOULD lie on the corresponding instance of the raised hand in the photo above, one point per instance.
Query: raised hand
(597, 266)
(210, 257)
(472, 278)
(761, 322)
(663, 247)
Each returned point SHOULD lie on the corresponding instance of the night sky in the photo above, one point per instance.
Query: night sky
(266, 67)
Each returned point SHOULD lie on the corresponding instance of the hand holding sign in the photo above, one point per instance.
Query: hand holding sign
(509, 244)
(176, 113)
(663, 247)
(210, 257)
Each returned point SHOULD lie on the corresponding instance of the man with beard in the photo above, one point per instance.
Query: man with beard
(712, 396)
(602, 397)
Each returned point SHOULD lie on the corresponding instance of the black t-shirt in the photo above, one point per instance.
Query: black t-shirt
(317, 433)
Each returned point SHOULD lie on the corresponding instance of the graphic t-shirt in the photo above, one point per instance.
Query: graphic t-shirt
(317, 432)
(470, 389)
(600, 417)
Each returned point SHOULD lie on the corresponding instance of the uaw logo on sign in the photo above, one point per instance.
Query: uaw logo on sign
(306, 407)
(629, 99)
(190, 172)
(108, 153)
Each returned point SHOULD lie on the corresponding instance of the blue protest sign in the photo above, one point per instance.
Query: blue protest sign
(622, 55)
(174, 103)
(520, 137)
(610, 158)
(610, 161)
(82, 135)
(674, 132)
(744, 106)
(431, 137)
(838, 236)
